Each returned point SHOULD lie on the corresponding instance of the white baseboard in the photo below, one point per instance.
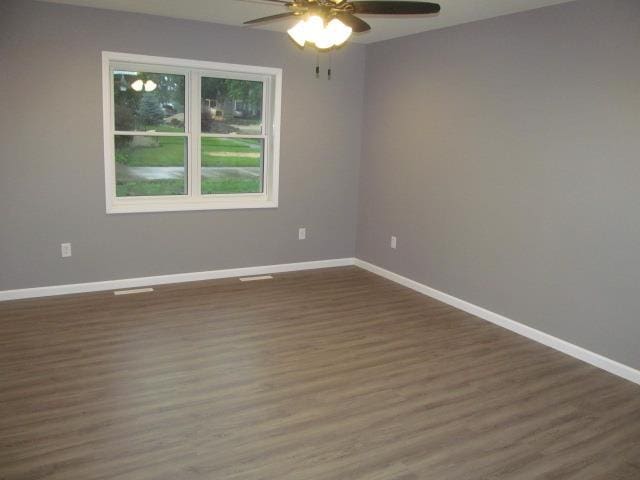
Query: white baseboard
(580, 353)
(128, 283)
(611, 366)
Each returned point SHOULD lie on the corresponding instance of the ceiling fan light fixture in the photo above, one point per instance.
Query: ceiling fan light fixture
(313, 30)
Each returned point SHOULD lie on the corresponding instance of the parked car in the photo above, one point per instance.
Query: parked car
(169, 109)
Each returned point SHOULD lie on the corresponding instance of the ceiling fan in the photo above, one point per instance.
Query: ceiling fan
(329, 23)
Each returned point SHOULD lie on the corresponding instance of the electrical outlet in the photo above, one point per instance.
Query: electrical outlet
(394, 242)
(65, 250)
(302, 233)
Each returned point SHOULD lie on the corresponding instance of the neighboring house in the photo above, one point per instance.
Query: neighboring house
(230, 108)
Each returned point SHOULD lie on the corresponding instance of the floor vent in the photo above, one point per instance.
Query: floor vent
(132, 291)
(253, 279)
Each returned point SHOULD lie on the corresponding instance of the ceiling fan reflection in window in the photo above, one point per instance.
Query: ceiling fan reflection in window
(329, 23)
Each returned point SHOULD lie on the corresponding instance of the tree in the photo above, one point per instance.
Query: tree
(124, 117)
(246, 91)
(221, 89)
(150, 112)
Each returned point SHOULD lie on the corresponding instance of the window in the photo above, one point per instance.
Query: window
(189, 135)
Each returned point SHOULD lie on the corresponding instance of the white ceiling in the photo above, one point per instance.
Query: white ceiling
(234, 12)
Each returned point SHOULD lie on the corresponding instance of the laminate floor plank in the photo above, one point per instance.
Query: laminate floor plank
(330, 374)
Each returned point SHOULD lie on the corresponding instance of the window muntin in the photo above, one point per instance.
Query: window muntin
(185, 135)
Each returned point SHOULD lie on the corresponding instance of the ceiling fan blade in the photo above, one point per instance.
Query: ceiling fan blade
(269, 18)
(282, 2)
(394, 8)
(356, 24)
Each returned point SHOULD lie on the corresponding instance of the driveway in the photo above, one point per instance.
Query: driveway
(127, 173)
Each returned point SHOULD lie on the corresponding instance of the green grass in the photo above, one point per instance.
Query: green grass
(176, 187)
(230, 185)
(229, 146)
(167, 128)
(170, 152)
(141, 188)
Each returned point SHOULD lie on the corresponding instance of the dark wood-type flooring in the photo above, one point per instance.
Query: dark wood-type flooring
(323, 375)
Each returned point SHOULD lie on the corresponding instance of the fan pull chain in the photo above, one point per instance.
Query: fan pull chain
(317, 67)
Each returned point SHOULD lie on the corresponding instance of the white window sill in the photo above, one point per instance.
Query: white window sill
(141, 205)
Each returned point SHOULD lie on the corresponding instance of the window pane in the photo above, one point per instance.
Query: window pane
(231, 165)
(231, 106)
(149, 166)
(148, 102)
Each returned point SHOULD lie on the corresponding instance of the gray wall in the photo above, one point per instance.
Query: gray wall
(505, 155)
(51, 157)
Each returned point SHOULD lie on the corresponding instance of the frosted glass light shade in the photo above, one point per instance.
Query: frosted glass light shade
(339, 32)
(299, 33)
(324, 39)
(314, 26)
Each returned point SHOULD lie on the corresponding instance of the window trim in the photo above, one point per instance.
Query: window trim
(194, 200)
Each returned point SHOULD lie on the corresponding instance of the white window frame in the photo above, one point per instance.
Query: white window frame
(194, 70)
